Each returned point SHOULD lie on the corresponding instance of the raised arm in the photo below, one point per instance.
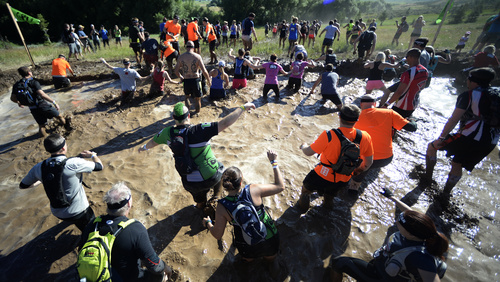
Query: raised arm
(105, 63)
(265, 190)
(232, 117)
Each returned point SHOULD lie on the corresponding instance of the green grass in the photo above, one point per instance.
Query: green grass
(14, 56)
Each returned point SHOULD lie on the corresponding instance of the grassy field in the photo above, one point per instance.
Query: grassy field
(15, 56)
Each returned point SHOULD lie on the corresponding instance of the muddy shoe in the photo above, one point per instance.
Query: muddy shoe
(68, 125)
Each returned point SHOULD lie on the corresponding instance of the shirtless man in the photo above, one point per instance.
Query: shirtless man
(187, 69)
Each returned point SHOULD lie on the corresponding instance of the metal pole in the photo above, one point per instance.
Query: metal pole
(20, 34)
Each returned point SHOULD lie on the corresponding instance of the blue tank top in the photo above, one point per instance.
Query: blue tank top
(233, 30)
(293, 32)
(238, 69)
(217, 82)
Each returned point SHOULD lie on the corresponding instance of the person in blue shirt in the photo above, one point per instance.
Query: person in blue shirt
(104, 35)
(248, 29)
(293, 33)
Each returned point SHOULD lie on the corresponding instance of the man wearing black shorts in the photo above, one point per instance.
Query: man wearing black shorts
(322, 178)
(136, 39)
(476, 137)
(45, 108)
(188, 69)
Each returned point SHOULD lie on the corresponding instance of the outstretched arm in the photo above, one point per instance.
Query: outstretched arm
(265, 190)
(232, 117)
(105, 63)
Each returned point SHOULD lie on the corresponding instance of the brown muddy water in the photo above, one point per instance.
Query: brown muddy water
(34, 245)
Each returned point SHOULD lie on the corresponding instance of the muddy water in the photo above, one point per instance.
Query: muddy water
(35, 245)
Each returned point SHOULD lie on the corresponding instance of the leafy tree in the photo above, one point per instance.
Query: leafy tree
(458, 15)
(44, 27)
(383, 16)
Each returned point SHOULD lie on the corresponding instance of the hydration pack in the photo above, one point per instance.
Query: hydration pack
(398, 257)
(24, 93)
(94, 259)
(349, 158)
(184, 163)
(405, 26)
(52, 174)
(492, 117)
(245, 216)
(366, 39)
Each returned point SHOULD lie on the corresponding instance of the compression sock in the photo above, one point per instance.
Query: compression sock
(451, 182)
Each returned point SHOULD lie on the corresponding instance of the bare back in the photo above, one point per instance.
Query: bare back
(189, 64)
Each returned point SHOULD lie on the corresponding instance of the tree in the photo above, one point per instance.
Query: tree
(383, 16)
(458, 15)
(44, 27)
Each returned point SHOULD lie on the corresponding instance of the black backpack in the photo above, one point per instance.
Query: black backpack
(184, 163)
(52, 173)
(349, 158)
(24, 94)
(405, 26)
(366, 39)
(492, 117)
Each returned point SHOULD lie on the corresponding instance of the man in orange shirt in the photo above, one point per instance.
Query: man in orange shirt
(169, 53)
(194, 35)
(322, 178)
(59, 75)
(172, 30)
(212, 40)
(379, 123)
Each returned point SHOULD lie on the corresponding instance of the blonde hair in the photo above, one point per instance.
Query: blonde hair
(490, 49)
(387, 52)
(380, 57)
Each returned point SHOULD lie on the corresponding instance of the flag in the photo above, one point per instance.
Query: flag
(440, 17)
(22, 17)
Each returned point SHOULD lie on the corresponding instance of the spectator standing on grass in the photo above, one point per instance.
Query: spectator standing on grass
(417, 30)
(117, 33)
(69, 39)
(462, 41)
(104, 35)
(402, 27)
(248, 30)
(94, 34)
(87, 44)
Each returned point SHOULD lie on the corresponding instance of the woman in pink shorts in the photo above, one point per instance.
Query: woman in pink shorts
(376, 72)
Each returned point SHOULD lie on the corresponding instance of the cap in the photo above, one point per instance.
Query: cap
(190, 44)
(468, 32)
(350, 113)
(61, 56)
(126, 61)
(222, 64)
(176, 17)
(421, 41)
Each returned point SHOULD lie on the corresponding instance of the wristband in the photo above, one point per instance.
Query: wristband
(54, 102)
(93, 155)
(243, 107)
(144, 147)
(275, 166)
(207, 222)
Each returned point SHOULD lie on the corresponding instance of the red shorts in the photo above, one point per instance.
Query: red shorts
(150, 59)
(239, 83)
(311, 35)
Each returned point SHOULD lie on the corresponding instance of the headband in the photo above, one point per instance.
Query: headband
(183, 117)
(367, 100)
(120, 204)
(415, 231)
(57, 148)
(347, 118)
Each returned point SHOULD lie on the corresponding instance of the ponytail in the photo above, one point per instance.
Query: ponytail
(437, 245)
(231, 178)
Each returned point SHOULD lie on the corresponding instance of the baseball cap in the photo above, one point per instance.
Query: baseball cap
(126, 61)
(179, 113)
(222, 64)
(176, 17)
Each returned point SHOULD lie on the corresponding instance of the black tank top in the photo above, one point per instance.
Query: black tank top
(376, 73)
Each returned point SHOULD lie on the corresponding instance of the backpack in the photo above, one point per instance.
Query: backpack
(52, 173)
(398, 257)
(245, 216)
(366, 39)
(184, 163)
(405, 26)
(24, 93)
(349, 158)
(94, 259)
(492, 117)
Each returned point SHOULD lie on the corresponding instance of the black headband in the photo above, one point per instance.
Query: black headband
(57, 148)
(120, 204)
(347, 118)
(415, 231)
(478, 80)
(183, 117)
(367, 100)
